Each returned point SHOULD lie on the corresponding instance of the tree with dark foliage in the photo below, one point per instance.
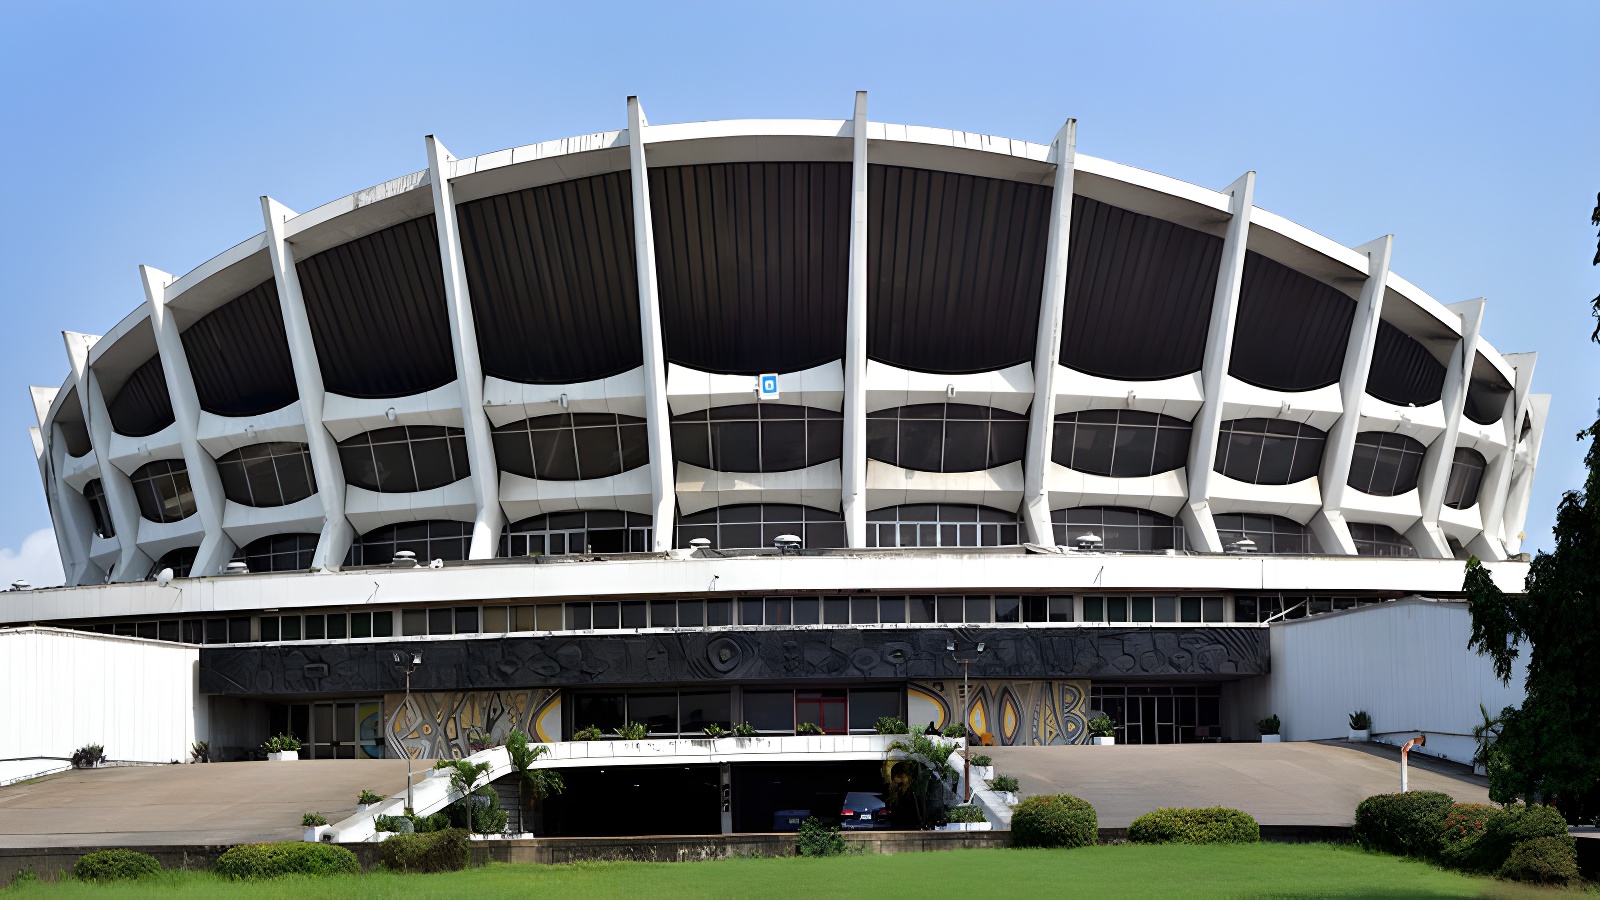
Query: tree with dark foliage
(1547, 750)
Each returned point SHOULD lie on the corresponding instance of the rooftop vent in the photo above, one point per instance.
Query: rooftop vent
(236, 567)
(1090, 541)
(404, 559)
(700, 544)
(788, 543)
(1242, 545)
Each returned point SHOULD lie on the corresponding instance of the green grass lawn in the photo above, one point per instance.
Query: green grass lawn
(1257, 870)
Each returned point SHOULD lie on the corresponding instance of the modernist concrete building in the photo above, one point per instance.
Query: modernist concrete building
(749, 421)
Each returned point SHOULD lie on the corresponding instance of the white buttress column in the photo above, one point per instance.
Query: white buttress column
(1491, 543)
(1426, 535)
(657, 425)
(334, 542)
(1047, 346)
(1527, 462)
(1196, 514)
(1329, 526)
(854, 457)
(133, 564)
(490, 519)
(216, 548)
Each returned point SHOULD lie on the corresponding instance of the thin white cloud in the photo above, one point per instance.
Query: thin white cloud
(37, 563)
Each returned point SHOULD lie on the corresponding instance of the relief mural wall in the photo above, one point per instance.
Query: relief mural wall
(1014, 712)
(454, 725)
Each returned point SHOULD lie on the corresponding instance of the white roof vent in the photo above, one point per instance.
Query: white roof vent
(1090, 541)
(787, 542)
(700, 544)
(236, 567)
(21, 585)
(1242, 545)
(404, 559)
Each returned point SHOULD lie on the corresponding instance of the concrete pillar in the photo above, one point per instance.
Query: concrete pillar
(215, 547)
(853, 461)
(726, 798)
(663, 485)
(1329, 526)
(1526, 463)
(336, 535)
(490, 519)
(1047, 345)
(132, 564)
(1425, 535)
(1196, 514)
(1494, 495)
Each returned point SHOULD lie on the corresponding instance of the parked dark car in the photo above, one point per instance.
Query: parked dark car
(789, 819)
(863, 811)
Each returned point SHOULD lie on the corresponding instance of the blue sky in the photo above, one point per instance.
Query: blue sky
(143, 133)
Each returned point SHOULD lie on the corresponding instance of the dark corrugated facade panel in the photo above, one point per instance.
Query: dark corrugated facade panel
(239, 355)
(753, 263)
(1486, 402)
(1139, 292)
(1403, 372)
(955, 268)
(142, 406)
(1291, 330)
(555, 294)
(69, 418)
(378, 315)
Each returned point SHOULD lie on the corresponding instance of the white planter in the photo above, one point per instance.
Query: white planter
(440, 773)
(1271, 738)
(1478, 769)
(317, 833)
(983, 773)
(1103, 741)
(284, 756)
(967, 826)
(1360, 737)
(363, 807)
(1009, 798)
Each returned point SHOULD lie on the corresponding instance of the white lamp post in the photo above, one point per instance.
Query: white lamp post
(966, 716)
(400, 661)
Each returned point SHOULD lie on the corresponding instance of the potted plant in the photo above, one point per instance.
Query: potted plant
(891, 725)
(982, 766)
(965, 818)
(632, 731)
(89, 756)
(1006, 786)
(1360, 726)
(809, 728)
(714, 731)
(282, 748)
(1102, 731)
(592, 733)
(1269, 728)
(744, 730)
(316, 827)
(368, 800)
(955, 730)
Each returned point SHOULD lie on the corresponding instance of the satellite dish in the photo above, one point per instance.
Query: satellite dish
(164, 577)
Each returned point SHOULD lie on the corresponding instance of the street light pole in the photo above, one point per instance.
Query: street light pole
(966, 716)
(400, 661)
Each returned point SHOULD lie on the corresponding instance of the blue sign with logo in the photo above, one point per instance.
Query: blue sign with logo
(768, 389)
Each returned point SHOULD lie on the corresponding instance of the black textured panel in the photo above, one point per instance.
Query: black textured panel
(753, 264)
(955, 269)
(1403, 371)
(1291, 330)
(142, 406)
(733, 655)
(555, 294)
(377, 312)
(1486, 401)
(239, 355)
(1139, 293)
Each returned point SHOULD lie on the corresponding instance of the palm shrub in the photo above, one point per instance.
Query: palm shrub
(1007, 783)
(539, 783)
(294, 858)
(1210, 825)
(815, 839)
(1404, 824)
(633, 731)
(919, 778)
(439, 851)
(1054, 820)
(312, 820)
(1361, 720)
(115, 865)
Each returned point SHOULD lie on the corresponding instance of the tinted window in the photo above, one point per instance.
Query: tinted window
(1380, 540)
(272, 474)
(428, 540)
(405, 458)
(180, 561)
(946, 437)
(162, 488)
(1466, 476)
(1385, 464)
(1120, 443)
(1126, 530)
(941, 525)
(280, 553)
(1271, 534)
(1269, 451)
(95, 493)
(571, 446)
(577, 531)
(750, 525)
(766, 437)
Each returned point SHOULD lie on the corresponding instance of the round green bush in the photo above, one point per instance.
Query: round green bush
(1462, 837)
(434, 851)
(1058, 820)
(1404, 824)
(1515, 825)
(1542, 860)
(115, 865)
(1210, 825)
(292, 858)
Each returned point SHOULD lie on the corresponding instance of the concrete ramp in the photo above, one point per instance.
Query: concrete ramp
(218, 803)
(1297, 783)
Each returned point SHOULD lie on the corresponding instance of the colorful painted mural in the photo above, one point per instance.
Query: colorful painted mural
(1013, 712)
(449, 725)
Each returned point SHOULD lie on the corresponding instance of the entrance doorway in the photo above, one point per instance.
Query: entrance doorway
(1161, 714)
(337, 729)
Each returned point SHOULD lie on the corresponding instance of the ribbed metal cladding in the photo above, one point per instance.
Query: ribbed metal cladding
(239, 355)
(1139, 293)
(69, 418)
(955, 267)
(551, 274)
(1403, 371)
(142, 406)
(1292, 329)
(752, 260)
(377, 312)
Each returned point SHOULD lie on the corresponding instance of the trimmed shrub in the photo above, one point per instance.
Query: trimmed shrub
(815, 839)
(1403, 824)
(1513, 826)
(437, 851)
(1542, 860)
(1461, 837)
(1054, 820)
(291, 858)
(115, 865)
(1210, 825)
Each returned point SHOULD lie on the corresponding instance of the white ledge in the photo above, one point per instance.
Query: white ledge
(224, 434)
(889, 387)
(888, 485)
(691, 390)
(1164, 493)
(346, 417)
(522, 497)
(816, 486)
(367, 510)
(505, 402)
(1179, 396)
